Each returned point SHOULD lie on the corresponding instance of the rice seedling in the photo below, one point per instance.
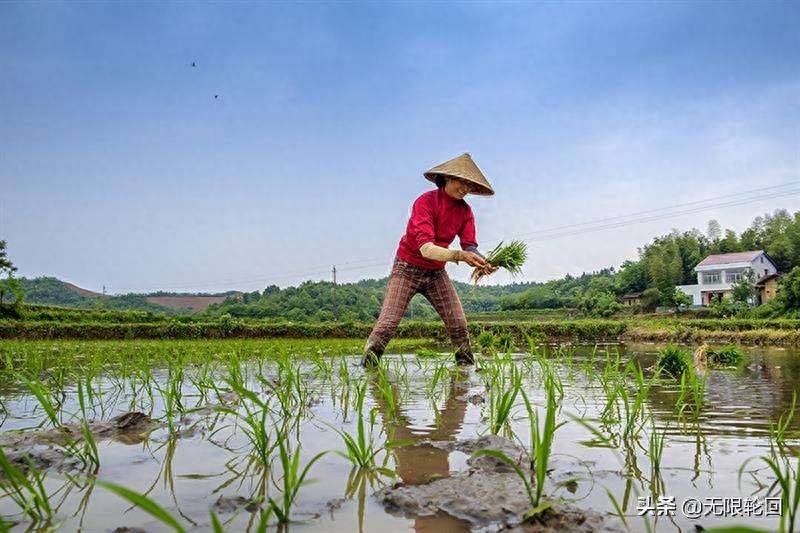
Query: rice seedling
(40, 392)
(291, 480)
(730, 355)
(779, 430)
(510, 257)
(427, 353)
(486, 342)
(693, 389)
(386, 391)
(633, 406)
(504, 342)
(437, 377)
(171, 395)
(655, 448)
(673, 361)
(787, 479)
(550, 377)
(28, 494)
(253, 415)
(322, 364)
(536, 509)
(145, 504)
(501, 400)
(290, 389)
(361, 448)
(541, 438)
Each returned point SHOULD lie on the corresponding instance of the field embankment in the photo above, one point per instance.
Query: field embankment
(58, 324)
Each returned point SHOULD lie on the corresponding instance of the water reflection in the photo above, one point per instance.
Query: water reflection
(418, 462)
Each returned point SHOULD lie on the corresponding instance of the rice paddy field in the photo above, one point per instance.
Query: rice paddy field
(265, 435)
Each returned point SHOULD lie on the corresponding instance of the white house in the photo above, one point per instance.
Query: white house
(716, 274)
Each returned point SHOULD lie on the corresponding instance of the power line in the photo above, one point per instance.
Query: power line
(565, 230)
(662, 216)
(660, 209)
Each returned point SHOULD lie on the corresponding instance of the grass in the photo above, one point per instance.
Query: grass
(411, 333)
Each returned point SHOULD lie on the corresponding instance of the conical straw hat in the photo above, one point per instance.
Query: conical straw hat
(465, 168)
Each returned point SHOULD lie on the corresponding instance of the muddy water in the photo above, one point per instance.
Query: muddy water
(188, 470)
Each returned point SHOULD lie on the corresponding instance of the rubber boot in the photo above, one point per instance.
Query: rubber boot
(371, 358)
(464, 356)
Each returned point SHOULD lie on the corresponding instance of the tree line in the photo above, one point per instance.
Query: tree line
(667, 261)
(662, 264)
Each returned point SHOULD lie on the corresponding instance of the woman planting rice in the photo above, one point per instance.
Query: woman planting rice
(437, 217)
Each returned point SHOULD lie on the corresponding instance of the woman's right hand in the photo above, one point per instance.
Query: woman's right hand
(472, 259)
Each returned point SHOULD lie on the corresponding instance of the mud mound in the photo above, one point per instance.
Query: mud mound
(489, 495)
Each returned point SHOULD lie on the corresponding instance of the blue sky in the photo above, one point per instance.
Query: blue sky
(119, 167)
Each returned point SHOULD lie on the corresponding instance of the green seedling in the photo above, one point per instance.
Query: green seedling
(779, 431)
(361, 449)
(501, 401)
(387, 393)
(673, 361)
(427, 353)
(542, 435)
(28, 494)
(291, 481)
(536, 508)
(145, 504)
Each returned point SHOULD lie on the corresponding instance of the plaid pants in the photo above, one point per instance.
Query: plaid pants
(435, 285)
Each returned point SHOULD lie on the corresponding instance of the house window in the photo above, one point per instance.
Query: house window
(711, 278)
(762, 258)
(734, 277)
(766, 272)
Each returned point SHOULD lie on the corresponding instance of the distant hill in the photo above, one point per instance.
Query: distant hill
(194, 303)
(78, 290)
(53, 291)
(321, 301)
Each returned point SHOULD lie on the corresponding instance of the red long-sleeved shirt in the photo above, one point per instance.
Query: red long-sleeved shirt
(438, 218)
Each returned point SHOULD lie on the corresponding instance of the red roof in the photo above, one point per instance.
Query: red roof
(735, 257)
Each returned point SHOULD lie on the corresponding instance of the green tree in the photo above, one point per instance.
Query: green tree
(744, 290)
(650, 299)
(789, 290)
(10, 287)
(632, 277)
(680, 299)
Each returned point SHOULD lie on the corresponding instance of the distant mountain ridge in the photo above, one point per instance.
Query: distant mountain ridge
(53, 291)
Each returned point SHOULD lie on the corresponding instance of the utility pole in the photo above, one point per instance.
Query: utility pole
(104, 290)
(334, 274)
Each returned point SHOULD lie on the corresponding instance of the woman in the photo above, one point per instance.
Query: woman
(437, 217)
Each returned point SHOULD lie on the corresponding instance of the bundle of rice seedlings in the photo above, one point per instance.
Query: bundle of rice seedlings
(730, 355)
(673, 361)
(510, 256)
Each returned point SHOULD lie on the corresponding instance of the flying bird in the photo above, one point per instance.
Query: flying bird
(216, 97)
(194, 64)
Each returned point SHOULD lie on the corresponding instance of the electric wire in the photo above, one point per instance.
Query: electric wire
(555, 232)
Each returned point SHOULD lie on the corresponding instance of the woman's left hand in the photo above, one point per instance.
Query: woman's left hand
(489, 269)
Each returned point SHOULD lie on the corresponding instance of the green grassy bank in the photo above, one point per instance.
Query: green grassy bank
(744, 331)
